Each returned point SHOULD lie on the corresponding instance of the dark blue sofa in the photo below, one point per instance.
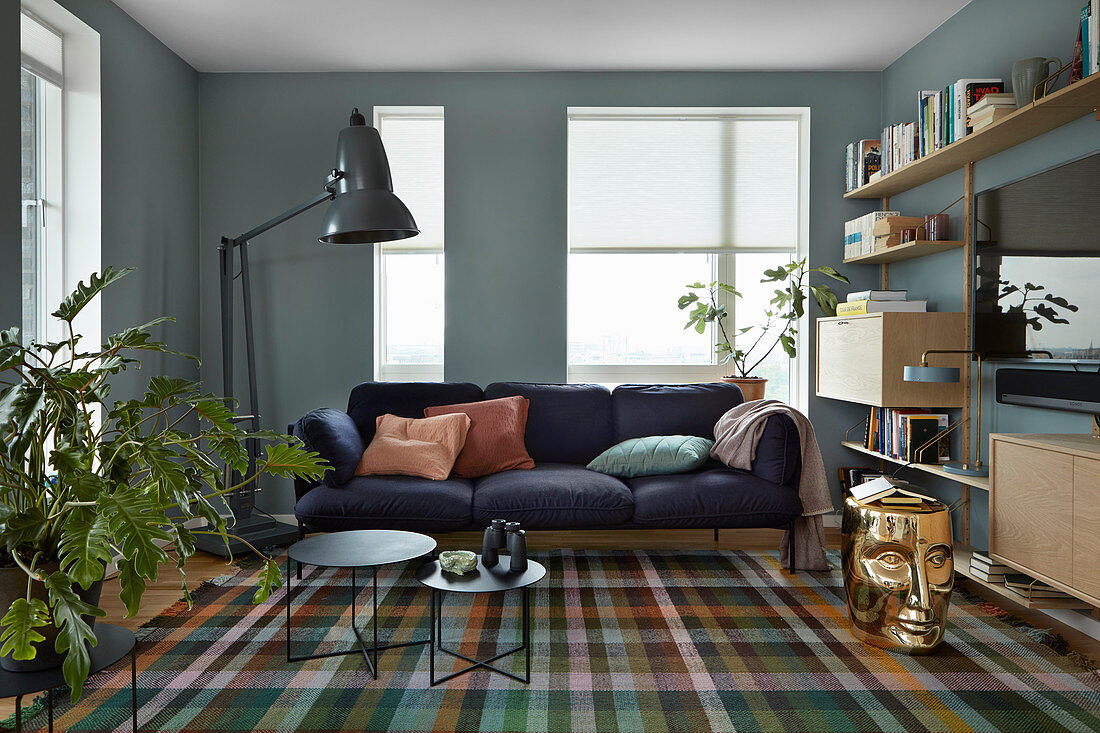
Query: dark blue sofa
(567, 426)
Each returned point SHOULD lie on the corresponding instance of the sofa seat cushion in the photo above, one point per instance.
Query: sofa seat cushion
(388, 502)
(714, 496)
(552, 496)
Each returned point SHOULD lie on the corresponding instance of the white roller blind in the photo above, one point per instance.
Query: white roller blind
(682, 183)
(414, 146)
(40, 49)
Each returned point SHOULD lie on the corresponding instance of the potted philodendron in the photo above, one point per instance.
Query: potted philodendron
(779, 327)
(85, 482)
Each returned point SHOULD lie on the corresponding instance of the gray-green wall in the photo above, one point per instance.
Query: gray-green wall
(983, 40)
(268, 140)
(150, 173)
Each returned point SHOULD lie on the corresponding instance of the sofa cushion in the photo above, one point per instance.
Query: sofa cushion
(655, 455)
(552, 496)
(566, 423)
(407, 446)
(388, 502)
(714, 496)
(333, 434)
(495, 441)
(404, 399)
(670, 409)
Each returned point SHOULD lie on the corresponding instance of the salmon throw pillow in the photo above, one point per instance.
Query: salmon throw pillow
(495, 441)
(406, 446)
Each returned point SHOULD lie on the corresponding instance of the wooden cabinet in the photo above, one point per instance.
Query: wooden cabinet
(861, 358)
(1044, 509)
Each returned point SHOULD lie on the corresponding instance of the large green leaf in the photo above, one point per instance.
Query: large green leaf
(132, 586)
(291, 460)
(85, 546)
(20, 622)
(23, 528)
(136, 526)
(83, 294)
(163, 389)
(74, 633)
(270, 580)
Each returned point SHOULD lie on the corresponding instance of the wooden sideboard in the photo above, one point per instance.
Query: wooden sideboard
(1044, 509)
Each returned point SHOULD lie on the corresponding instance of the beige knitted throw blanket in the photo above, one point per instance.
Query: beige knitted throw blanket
(735, 439)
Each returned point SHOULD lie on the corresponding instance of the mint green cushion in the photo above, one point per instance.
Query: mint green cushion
(653, 456)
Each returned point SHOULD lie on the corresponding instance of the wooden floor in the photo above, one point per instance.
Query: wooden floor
(166, 591)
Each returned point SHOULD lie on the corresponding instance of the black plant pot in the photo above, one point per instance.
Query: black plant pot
(13, 585)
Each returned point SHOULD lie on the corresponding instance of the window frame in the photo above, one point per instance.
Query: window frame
(384, 372)
(723, 264)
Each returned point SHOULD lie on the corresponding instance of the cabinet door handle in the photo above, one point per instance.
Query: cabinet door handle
(842, 323)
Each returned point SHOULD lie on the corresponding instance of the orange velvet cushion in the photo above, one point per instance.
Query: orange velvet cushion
(408, 446)
(495, 440)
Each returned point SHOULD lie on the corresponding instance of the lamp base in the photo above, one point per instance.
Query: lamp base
(965, 469)
(260, 531)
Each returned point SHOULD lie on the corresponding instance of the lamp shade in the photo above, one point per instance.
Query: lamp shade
(931, 374)
(364, 209)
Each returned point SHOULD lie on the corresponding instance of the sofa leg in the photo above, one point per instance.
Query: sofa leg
(790, 548)
(716, 536)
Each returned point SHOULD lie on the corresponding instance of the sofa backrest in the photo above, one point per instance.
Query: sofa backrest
(566, 423)
(404, 399)
(639, 410)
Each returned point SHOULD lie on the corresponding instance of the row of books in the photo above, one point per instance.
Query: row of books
(861, 160)
(900, 434)
(986, 568)
(859, 237)
(989, 109)
(880, 301)
(1090, 38)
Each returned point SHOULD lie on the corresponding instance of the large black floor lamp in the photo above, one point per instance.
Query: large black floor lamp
(364, 210)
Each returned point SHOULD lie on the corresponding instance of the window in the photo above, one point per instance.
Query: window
(409, 276)
(661, 198)
(40, 81)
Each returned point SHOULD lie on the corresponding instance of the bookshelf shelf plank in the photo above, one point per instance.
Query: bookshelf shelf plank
(906, 251)
(978, 482)
(1052, 111)
(962, 555)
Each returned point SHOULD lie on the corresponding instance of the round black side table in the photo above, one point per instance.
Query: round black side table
(113, 643)
(481, 579)
(354, 549)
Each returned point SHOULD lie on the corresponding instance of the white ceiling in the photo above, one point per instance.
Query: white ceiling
(530, 35)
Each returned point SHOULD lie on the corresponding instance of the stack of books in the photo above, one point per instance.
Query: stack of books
(907, 435)
(861, 161)
(859, 238)
(985, 568)
(1090, 38)
(887, 490)
(989, 109)
(1032, 589)
(880, 301)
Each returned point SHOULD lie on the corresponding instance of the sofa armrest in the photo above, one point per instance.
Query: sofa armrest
(333, 435)
(779, 452)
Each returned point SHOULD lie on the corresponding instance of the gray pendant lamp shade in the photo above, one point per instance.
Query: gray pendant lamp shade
(365, 209)
(940, 375)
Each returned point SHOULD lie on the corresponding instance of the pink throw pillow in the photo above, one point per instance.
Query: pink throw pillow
(495, 441)
(407, 446)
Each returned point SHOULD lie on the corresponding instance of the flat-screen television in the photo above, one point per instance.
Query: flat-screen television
(1037, 265)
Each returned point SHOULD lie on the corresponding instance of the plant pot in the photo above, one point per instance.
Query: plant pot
(752, 388)
(13, 585)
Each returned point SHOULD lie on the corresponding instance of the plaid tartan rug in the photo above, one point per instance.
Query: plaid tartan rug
(622, 641)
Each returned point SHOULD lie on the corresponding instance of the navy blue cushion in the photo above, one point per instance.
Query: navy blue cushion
(552, 496)
(779, 452)
(566, 423)
(404, 399)
(714, 496)
(671, 409)
(388, 502)
(333, 434)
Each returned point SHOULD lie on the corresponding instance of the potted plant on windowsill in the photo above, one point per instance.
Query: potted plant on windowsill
(779, 328)
(84, 482)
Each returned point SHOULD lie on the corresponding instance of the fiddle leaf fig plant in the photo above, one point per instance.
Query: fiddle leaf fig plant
(780, 324)
(85, 481)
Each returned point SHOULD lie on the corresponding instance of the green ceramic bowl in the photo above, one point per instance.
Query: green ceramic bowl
(458, 562)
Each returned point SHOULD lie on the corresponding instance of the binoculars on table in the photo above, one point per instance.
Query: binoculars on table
(503, 535)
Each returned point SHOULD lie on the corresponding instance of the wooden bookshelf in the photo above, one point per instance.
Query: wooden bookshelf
(978, 482)
(962, 553)
(1050, 112)
(901, 252)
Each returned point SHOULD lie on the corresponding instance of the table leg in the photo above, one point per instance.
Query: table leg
(527, 630)
(431, 639)
(374, 614)
(133, 683)
(18, 714)
(49, 710)
(288, 608)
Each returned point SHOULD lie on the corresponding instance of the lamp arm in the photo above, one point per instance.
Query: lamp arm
(327, 195)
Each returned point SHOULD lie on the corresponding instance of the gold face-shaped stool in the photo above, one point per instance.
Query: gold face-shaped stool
(898, 573)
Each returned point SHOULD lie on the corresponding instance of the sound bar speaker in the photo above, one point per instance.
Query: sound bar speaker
(1050, 388)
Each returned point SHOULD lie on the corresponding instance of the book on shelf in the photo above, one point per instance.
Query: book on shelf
(861, 160)
(855, 475)
(981, 574)
(887, 231)
(918, 431)
(1032, 589)
(858, 237)
(898, 433)
(994, 100)
(877, 295)
(969, 92)
(985, 119)
(859, 307)
(1090, 38)
(985, 562)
